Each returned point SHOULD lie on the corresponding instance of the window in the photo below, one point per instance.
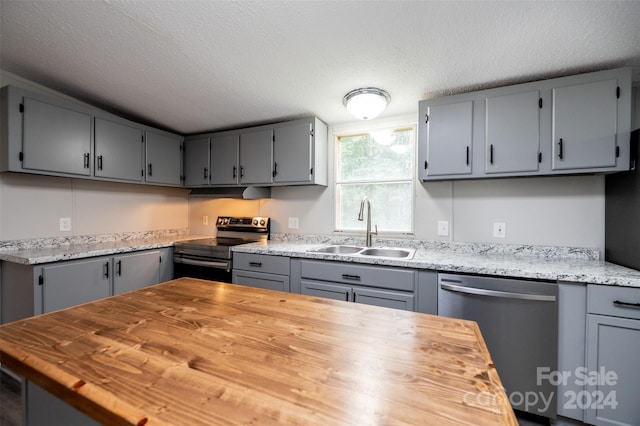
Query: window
(377, 164)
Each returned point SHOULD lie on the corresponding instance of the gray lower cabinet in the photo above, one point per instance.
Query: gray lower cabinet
(119, 150)
(260, 270)
(613, 345)
(164, 158)
(43, 409)
(197, 167)
(135, 270)
(427, 292)
(373, 285)
(572, 315)
(67, 284)
(29, 290)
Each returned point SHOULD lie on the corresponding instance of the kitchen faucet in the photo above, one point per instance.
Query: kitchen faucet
(361, 218)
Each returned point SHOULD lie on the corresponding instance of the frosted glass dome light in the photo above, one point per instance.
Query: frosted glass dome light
(366, 103)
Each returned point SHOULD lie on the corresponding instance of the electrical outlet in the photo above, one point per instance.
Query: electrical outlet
(294, 223)
(443, 228)
(205, 220)
(65, 224)
(499, 229)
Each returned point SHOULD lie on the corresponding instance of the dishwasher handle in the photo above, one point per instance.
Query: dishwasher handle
(495, 293)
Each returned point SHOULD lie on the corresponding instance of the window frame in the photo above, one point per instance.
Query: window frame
(354, 129)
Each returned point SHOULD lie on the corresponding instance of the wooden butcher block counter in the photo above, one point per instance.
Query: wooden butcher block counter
(194, 352)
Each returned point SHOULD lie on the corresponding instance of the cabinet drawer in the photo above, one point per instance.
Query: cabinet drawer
(261, 263)
(614, 301)
(261, 280)
(371, 276)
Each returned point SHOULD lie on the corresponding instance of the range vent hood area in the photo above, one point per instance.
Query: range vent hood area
(243, 193)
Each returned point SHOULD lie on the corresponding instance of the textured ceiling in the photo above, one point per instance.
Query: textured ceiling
(194, 66)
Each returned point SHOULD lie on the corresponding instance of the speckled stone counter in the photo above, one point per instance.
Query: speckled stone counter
(45, 250)
(519, 261)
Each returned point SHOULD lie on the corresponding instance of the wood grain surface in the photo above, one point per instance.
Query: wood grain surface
(195, 352)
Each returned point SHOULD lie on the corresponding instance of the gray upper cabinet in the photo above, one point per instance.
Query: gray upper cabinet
(256, 157)
(299, 152)
(225, 168)
(55, 139)
(446, 137)
(585, 125)
(118, 151)
(197, 168)
(288, 153)
(512, 139)
(164, 158)
(567, 125)
(45, 135)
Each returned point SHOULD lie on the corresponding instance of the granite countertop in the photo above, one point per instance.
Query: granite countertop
(569, 264)
(542, 263)
(46, 250)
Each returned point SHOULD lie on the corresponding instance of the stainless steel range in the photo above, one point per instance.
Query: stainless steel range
(211, 258)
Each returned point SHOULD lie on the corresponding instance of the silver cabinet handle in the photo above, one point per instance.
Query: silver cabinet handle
(494, 293)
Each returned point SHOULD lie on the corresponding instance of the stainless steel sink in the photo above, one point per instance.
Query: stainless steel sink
(387, 252)
(397, 253)
(338, 249)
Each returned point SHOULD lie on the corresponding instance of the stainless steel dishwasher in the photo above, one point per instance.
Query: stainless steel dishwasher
(519, 322)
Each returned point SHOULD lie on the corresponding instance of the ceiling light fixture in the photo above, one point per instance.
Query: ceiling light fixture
(367, 102)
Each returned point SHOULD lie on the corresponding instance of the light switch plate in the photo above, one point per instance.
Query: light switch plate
(65, 224)
(205, 220)
(294, 223)
(443, 228)
(499, 229)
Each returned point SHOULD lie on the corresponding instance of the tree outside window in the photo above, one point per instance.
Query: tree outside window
(377, 164)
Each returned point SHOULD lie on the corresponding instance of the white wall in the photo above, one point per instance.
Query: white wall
(31, 205)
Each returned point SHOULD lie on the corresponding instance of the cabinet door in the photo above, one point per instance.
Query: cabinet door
(196, 162)
(72, 283)
(164, 159)
(256, 157)
(136, 270)
(385, 298)
(261, 280)
(513, 133)
(613, 345)
(328, 291)
(55, 139)
(445, 143)
(292, 153)
(118, 153)
(225, 169)
(166, 264)
(585, 121)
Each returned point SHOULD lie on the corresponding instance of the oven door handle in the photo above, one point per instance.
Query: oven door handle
(494, 293)
(207, 263)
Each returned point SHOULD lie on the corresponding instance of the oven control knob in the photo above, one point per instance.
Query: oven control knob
(255, 222)
(262, 222)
